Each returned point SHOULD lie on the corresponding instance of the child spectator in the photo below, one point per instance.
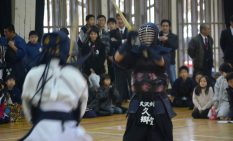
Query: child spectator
(230, 94)
(202, 98)
(115, 42)
(14, 95)
(105, 98)
(94, 52)
(182, 89)
(94, 80)
(12, 91)
(84, 32)
(33, 50)
(4, 110)
(198, 75)
(220, 99)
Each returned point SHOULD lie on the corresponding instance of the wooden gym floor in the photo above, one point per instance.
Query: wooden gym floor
(111, 128)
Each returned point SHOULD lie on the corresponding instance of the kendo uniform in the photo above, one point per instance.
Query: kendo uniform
(150, 113)
(55, 95)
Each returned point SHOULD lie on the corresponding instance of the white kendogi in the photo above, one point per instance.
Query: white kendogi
(62, 92)
(55, 94)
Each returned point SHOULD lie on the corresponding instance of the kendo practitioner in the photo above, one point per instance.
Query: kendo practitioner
(150, 113)
(55, 94)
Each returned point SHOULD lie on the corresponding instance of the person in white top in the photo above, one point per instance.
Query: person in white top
(202, 98)
(55, 95)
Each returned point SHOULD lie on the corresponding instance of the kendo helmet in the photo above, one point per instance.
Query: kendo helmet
(55, 45)
(148, 34)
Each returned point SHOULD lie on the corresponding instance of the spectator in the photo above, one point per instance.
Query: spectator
(84, 32)
(230, 94)
(202, 98)
(94, 52)
(33, 50)
(226, 43)
(121, 26)
(220, 99)
(182, 89)
(200, 49)
(169, 40)
(107, 96)
(104, 35)
(12, 91)
(115, 42)
(15, 52)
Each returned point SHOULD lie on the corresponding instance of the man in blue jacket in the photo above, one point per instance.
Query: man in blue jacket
(15, 51)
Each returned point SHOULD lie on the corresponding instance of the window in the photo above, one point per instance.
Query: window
(120, 4)
(133, 12)
(151, 11)
(61, 13)
(191, 13)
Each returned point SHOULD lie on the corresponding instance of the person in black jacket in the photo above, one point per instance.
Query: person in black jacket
(169, 40)
(229, 78)
(226, 42)
(182, 89)
(200, 49)
(94, 52)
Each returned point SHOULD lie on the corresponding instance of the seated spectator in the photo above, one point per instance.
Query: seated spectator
(198, 75)
(94, 80)
(33, 49)
(230, 94)
(4, 109)
(220, 99)
(202, 98)
(182, 89)
(14, 95)
(12, 91)
(105, 98)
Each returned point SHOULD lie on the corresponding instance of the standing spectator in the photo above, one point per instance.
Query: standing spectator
(115, 42)
(201, 51)
(15, 52)
(121, 26)
(33, 50)
(103, 33)
(202, 98)
(169, 40)
(83, 34)
(94, 51)
(104, 36)
(123, 76)
(226, 42)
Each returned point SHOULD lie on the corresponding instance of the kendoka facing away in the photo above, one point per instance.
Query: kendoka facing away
(55, 95)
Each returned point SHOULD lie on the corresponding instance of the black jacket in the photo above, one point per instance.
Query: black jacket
(96, 57)
(183, 88)
(226, 43)
(197, 53)
(114, 45)
(171, 43)
(230, 96)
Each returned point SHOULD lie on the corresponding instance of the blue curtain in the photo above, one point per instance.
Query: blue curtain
(39, 17)
(228, 11)
(5, 14)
